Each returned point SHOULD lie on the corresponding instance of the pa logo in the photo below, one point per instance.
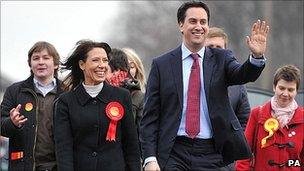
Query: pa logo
(293, 163)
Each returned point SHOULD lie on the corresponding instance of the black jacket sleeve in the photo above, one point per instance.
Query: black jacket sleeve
(8, 129)
(63, 136)
(130, 137)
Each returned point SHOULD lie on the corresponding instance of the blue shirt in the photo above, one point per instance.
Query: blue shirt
(45, 89)
(205, 123)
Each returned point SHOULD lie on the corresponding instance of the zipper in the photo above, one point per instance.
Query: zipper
(36, 129)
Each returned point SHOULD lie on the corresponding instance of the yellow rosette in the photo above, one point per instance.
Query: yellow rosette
(271, 125)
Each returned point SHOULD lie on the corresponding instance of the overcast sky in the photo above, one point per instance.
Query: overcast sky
(61, 23)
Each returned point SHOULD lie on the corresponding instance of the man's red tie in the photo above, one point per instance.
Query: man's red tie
(193, 100)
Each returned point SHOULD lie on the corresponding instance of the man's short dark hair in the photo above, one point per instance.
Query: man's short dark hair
(181, 12)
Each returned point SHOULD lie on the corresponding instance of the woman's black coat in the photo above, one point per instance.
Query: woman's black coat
(81, 126)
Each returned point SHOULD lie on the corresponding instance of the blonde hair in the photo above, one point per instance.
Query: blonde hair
(218, 32)
(140, 72)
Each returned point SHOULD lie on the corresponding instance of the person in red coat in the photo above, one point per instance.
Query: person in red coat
(275, 130)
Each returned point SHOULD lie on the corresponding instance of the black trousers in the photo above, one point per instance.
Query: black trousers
(194, 155)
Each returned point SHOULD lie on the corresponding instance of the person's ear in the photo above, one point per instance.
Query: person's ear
(81, 65)
(56, 66)
(181, 27)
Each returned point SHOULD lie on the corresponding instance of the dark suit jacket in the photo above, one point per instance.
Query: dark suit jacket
(239, 102)
(163, 103)
(81, 127)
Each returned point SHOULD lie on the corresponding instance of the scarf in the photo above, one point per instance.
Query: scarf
(118, 78)
(283, 115)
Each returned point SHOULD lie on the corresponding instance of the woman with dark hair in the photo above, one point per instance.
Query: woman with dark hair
(94, 128)
(275, 130)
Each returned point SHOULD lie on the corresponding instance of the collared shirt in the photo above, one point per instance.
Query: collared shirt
(205, 123)
(45, 89)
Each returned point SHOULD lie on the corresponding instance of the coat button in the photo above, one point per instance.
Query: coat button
(94, 101)
(33, 125)
(94, 154)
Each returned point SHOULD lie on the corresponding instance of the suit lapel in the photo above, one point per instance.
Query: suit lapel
(176, 67)
(208, 64)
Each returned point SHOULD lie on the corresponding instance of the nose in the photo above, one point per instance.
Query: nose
(198, 26)
(41, 61)
(285, 93)
(102, 64)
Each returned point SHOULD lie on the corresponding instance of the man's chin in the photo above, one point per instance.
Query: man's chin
(198, 44)
(40, 76)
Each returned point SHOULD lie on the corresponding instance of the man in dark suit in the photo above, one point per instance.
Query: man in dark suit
(217, 38)
(188, 123)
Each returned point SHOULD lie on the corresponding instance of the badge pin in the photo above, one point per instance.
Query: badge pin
(28, 107)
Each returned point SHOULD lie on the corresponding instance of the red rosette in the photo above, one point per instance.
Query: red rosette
(115, 112)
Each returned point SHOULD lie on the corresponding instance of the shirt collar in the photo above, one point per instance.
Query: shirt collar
(186, 52)
(93, 90)
(52, 84)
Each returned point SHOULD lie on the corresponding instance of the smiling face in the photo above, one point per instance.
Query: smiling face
(285, 92)
(42, 66)
(194, 28)
(95, 66)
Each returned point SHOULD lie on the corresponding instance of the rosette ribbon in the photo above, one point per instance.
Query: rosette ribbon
(271, 125)
(115, 112)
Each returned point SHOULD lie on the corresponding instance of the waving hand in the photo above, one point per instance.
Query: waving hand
(258, 38)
